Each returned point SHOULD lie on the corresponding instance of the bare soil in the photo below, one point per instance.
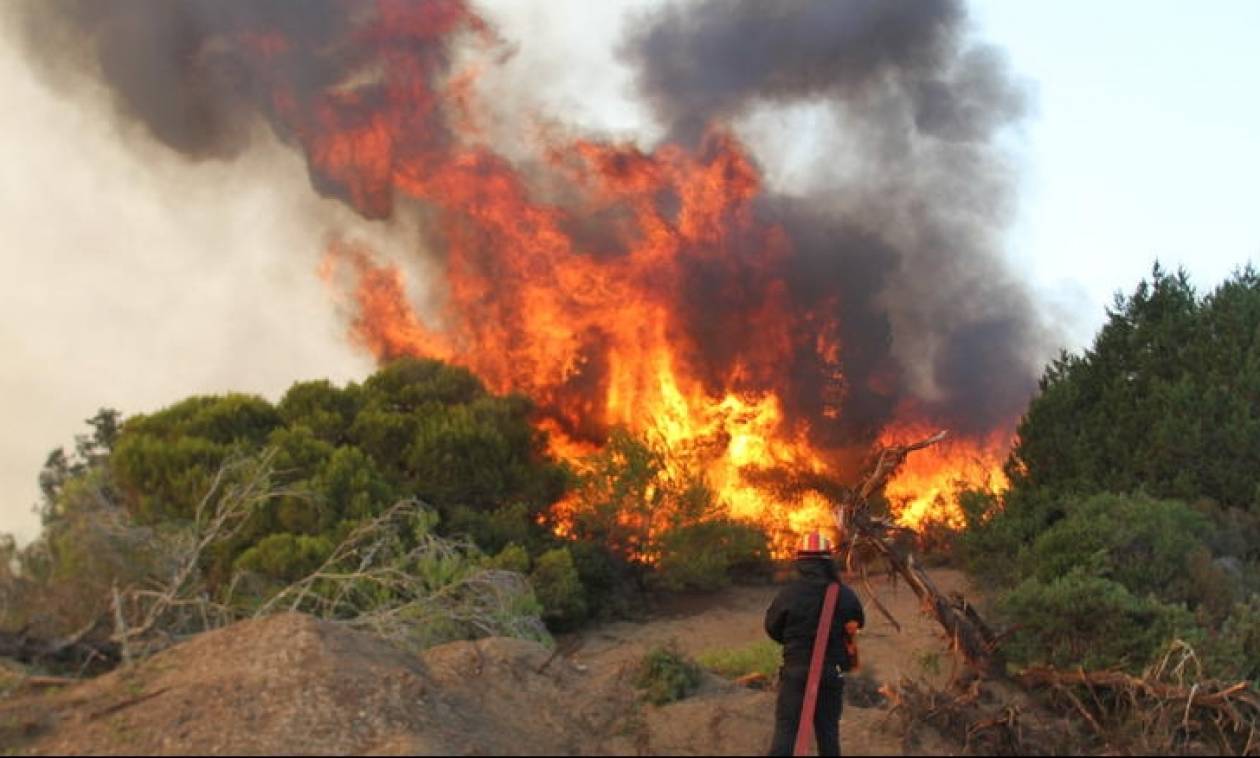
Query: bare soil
(293, 684)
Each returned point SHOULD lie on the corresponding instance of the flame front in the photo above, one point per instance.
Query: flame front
(615, 287)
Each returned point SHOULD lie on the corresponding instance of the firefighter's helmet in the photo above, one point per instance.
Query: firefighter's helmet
(814, 545)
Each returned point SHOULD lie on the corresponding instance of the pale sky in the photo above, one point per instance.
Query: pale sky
(132, 281)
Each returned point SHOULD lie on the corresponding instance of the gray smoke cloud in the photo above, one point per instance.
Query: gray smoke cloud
(168, 65)
(900, 223)
(200, 76)
(896, 234)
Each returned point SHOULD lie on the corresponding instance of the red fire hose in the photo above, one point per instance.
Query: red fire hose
(806, 727)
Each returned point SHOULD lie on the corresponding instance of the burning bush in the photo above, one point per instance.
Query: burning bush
(653, 508)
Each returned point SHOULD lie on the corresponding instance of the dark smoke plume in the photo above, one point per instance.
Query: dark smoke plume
(905, 244)
(901, 247)
(200, 75)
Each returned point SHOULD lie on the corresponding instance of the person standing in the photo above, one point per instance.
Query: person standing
(792, 620)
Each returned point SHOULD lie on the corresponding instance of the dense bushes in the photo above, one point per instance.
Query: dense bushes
(338, 458)
(1165, 406)
(414, 429)
(705, 555)
(1083, 619)
(1167, 400)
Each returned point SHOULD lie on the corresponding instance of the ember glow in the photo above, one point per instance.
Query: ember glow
(661, 288)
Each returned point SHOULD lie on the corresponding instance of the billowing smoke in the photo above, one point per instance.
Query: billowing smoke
(894, 238)
(916, 191)
(200, 76)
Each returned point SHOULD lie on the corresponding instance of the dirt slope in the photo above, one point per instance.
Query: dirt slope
(294, 684)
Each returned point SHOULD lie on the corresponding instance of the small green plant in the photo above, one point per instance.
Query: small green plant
(758, 658)
(559, 588)
(666, 675)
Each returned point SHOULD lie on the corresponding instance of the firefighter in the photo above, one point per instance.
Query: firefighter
(793, 621)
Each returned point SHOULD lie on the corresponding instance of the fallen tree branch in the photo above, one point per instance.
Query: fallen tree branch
(116, 707)
(25, 649)
(962, 624)
(1206, 693)
(1172, 700)
(975, 723)
(1171, 714)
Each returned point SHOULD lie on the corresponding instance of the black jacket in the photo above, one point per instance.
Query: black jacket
(792, 619)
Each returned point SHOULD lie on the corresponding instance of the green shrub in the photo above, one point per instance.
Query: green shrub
(702, 556)
(666, 675)
(416, 428)
(1139, 542)
(558, 588)
(1080, 619)
(285, 557)
(511, 558)
(608, 581)
(762, 657)
(1163, 400)
(1213, 588)
(1000, 529)
(493, 530)
(1234, 651)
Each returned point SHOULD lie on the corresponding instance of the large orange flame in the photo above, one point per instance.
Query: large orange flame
(588, 322)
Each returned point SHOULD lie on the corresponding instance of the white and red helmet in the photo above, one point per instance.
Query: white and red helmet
(814, 545)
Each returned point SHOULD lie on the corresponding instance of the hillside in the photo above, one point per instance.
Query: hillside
(294, 684)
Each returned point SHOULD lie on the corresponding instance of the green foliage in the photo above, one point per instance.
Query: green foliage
(1235, 650)
(606, 578)
(559, 588)
(340, 457)
(1139, 542)
(762, 657)
(324, 410)
(702, 556)
(510, 558)
(90, 451)
(495, 529)
(1104, 584)
(1081, 619)
(666, 675)
(1167, 400)
(285, 557)
(416, 428)
(1165, 405)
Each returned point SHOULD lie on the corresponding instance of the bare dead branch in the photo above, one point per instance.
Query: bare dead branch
(857, 526)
